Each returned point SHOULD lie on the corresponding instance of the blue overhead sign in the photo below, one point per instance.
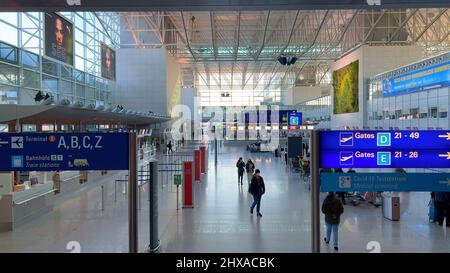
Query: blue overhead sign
(63, 151)
(385, 149)
(385, 140)
(295, 119)
(372, 182)
(433, 77)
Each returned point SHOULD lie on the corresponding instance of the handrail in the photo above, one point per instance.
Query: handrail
(34, 197)
(76, 176)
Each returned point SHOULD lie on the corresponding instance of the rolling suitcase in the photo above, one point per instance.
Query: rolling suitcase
(432, 212)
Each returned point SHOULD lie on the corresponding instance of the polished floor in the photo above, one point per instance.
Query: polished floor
(220, 220)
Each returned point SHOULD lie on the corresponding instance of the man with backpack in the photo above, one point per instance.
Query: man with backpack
(257, 189)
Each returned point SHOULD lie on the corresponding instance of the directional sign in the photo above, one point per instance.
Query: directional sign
(385, 140)
(177, 179)
(385, 149)
(399, 182)
(63, 151)
(385, 159)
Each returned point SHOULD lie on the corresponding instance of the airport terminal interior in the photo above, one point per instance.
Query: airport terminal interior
(179, 96)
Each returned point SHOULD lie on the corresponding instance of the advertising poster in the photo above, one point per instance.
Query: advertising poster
(108, 63)
(58, 38)
(345, 86)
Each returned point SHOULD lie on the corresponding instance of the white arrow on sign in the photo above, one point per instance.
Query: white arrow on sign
(445, 182)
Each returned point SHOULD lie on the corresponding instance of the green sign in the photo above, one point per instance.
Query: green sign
(177, 179)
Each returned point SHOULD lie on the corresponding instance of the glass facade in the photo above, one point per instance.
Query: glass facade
(427, 109)
(257, 89)
(316, 111)
(24, 70)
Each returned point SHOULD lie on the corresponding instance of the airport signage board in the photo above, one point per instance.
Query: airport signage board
(433, 77)
(210, 5)
(177, 179)
(295, 120)
(373, 182)
(63, 151)
(385, 149)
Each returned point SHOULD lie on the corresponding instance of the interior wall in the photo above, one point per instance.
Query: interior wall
(373, 60)
(142, 79)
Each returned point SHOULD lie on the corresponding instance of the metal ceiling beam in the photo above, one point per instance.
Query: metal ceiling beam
(374, 26)
(266, 59)
(133, 34)
(347, 27)
(272, 75)
(232, 73)
(291, 33)
(213, 33)
(402, 25)
(264, 36)
(317, 33)
(187, 38)
(244, 74)
(321, 78)
(237, 36)
(430, 24)
(220, 78)
(155, 26)
(208, 76)
(104, 28)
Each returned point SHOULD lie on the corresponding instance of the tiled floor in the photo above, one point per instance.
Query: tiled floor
(221, 222)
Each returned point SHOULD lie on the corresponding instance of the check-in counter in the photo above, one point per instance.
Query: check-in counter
(30, 200)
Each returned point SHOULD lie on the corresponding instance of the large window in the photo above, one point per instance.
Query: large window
(24, 71)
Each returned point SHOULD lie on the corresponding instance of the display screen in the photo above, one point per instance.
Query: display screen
(295, 120)
(433, 77)
(108, 63)
(345, 85)
(58, 38)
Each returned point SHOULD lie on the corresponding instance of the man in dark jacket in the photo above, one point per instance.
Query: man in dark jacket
(257, 189)
(241, 169)
(332, 208)
(442, 204)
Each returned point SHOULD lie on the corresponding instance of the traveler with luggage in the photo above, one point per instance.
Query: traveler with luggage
(332, 208)
(257, 189)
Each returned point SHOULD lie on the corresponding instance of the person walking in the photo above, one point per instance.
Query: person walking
(257, 189)
(241, 169)
(250, 168)
(286, 156)
(169, 147)
(441, 203)
(332, 208)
